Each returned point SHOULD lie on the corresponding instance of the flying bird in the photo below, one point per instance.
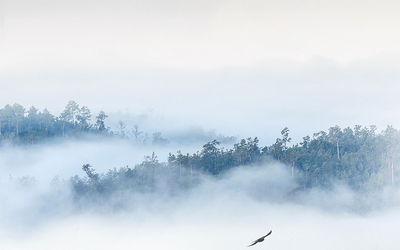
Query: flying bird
(260, 239)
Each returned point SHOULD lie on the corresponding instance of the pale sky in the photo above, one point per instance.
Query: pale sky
(194, 34)
(240, 67)
(245, 68)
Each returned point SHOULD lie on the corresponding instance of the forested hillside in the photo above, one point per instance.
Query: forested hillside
(358, 157)
(21, 126)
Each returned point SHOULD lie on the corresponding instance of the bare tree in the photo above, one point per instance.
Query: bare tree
(121, 127)
(136, 132)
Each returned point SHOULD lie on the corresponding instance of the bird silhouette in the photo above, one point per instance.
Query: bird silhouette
(260, 239)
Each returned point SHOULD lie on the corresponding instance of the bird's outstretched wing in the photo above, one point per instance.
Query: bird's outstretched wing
(260, 239)
(270, 232)
(255, 242)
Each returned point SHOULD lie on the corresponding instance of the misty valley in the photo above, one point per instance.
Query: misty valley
(341, 176)
(199, 125)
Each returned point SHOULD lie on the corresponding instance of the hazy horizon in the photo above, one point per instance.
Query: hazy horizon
(229, 213)
(236, 68)
(243, 103)
(239, 67)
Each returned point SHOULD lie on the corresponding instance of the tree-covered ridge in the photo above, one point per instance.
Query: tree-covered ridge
(20, 126)
(359, 158)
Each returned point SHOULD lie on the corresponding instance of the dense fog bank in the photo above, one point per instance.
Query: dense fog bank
(94, 193)
(164, 124)
(218, 214)
(64, 158)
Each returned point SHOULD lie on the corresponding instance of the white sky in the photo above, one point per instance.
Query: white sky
(238, 66)
(194, 34)
(246, 68)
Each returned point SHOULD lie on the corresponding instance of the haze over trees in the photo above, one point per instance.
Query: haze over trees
(358, 157)
(19, 126)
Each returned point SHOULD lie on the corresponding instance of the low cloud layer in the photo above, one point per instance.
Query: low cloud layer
(224, 213)
(259, 102)
(240, 68)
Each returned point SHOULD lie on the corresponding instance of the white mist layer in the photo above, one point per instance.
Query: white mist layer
(218, 225)
(65, 159)
(226, 213)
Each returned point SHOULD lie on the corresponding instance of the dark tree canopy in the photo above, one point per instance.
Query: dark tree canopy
(358, 157)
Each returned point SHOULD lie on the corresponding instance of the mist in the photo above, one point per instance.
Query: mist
(197, 71)
(245, 103)
(241, 68)
(227, 212)
(65, 158)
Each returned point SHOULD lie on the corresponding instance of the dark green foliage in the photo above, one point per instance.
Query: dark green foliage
(150, 176)
(358, 157)
(354, 157)
(18, 126)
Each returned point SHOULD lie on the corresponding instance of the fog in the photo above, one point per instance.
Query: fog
(307, 98)
(65, 158)
(239, 67)
(292, 229)
(196, 71)
(228, 212)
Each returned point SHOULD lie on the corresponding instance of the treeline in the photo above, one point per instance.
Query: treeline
(20, 126)
(360, 158)
(150, 176)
